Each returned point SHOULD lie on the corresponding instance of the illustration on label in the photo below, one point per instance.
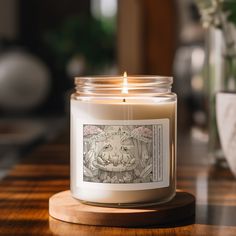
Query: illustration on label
(123, 153)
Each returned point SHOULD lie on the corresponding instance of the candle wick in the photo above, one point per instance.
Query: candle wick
(124, 100)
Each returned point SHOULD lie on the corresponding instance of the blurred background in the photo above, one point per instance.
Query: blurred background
(44, 44)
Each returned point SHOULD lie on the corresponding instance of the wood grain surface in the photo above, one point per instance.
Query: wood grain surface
(25, 192)
(63, 206)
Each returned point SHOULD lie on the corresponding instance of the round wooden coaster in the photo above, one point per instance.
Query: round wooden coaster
(63, 206)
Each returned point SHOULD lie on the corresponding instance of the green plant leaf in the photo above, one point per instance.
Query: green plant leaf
(229, 7)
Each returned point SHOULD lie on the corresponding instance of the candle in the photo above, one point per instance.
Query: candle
(123, 138)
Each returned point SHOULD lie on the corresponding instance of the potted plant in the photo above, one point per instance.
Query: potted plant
(219, 19)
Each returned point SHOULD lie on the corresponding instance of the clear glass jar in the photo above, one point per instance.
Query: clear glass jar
(123, 140)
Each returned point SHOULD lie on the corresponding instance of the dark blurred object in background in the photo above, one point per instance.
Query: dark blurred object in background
(43, 45)
(69, 37)
(188, 67)
(84, 39)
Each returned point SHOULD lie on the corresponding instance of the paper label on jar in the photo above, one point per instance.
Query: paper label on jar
(123, 155)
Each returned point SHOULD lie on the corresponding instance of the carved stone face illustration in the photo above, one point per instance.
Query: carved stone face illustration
(118, 154)
(116, 149)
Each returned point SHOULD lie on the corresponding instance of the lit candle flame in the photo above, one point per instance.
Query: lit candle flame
(125, 83)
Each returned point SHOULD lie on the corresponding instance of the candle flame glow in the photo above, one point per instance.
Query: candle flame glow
(125, 83)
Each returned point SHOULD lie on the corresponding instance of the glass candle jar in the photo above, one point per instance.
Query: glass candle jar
(123, 140)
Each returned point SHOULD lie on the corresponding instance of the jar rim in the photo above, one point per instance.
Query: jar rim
(160, 78)
(114, 85)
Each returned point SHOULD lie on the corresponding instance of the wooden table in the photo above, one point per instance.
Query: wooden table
(24, 195)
